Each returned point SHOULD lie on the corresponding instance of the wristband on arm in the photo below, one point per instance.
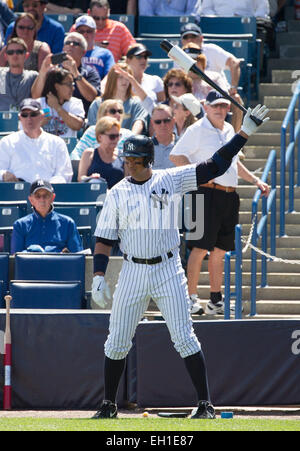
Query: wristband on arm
(100, 263)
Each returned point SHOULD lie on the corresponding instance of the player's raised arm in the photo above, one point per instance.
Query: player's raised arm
(221, 160)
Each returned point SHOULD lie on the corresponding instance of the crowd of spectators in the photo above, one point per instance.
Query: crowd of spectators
(99, 91)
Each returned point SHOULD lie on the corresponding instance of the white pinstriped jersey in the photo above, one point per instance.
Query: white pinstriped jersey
(145, 216)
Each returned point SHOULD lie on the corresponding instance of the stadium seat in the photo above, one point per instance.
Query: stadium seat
(228, 25)
(4, 275)
(9, 122)
(45, 294)
(155, 26)
(153, 44)
(85, 219)
(126, 19)
(8, 215)
(14, 194)
(79, 194)
(51, 267)
(71, 143)
(159, 66)
(66, 20)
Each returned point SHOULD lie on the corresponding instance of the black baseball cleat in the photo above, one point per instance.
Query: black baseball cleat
(204, 411)
(107, 410)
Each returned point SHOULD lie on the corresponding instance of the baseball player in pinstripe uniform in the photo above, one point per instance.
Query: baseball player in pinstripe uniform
(138, 211)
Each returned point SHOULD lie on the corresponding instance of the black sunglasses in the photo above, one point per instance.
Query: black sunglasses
(22, 27)
(75, 43)
(99, 18)
(33, 114)
(176, 83)
(17, 52)
(113, 136)
(142, 56)
(114, 111)
(165, 121)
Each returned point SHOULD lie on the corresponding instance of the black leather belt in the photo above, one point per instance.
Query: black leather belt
(148, 261)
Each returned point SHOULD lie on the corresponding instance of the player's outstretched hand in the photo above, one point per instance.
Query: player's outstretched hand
(100, 291)
(249, 126)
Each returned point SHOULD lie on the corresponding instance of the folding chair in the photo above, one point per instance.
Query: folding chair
(80, 194)
(126, 19)
(4, 276)
(66, 20)
(9, 122)
(162, 26)
(15, 194)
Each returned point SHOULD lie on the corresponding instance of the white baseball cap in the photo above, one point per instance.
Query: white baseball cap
(86, 20)
(190, 102)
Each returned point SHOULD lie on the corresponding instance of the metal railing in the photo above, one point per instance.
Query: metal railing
(258, 230)
(287, 157)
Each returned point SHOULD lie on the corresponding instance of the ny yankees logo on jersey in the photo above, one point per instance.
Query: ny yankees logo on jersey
(162, 199)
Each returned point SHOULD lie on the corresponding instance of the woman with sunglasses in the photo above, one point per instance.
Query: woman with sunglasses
(103, 162)
(110, 107)
(64, 114)
(25, 27)
(186, 111)
(176, 83)
(136, 118)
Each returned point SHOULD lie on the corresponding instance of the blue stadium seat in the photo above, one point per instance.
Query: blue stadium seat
(228, 25)
(71, 143)
(14, 194)
(8, 215)
(9, 122)
(126, 19)
(45, 294)
(155, 26)
(66, 20)
(4, 275)
(79, 194)
(85, 219)
(51, 267)
(159, 66)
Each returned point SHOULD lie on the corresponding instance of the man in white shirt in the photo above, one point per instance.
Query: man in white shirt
(245, 8)
(221, 201)
(31, 153)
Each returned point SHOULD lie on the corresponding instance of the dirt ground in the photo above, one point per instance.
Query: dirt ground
(244, 412)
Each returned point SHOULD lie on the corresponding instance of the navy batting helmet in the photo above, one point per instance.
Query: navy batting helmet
(139, 146)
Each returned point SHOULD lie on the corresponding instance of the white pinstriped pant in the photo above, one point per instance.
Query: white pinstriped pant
(165, 283)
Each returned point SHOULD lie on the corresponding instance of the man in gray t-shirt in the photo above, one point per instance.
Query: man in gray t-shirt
(15, 82)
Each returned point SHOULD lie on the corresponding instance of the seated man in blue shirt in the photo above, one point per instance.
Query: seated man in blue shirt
(44, 230)
(49, 30)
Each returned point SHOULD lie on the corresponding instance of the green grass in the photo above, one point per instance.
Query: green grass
(147, 424)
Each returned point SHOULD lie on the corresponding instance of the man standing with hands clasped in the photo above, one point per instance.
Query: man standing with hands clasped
(139, 211)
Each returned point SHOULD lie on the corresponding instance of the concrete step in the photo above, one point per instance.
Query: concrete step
(292, 230)
(248, 191)
(283, 64)
(274, 279)
(260, 152)
(271, 126)
(264, 307)
(283, 75)
(246, 205)
(278, 293)
(278, 101)
(267, 139)
(273, 89)
(289, 50)
(293, 26)
(287, 38)
(245, 218)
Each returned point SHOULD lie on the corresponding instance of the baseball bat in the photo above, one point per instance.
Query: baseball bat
(188, 64)
(7, 357)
